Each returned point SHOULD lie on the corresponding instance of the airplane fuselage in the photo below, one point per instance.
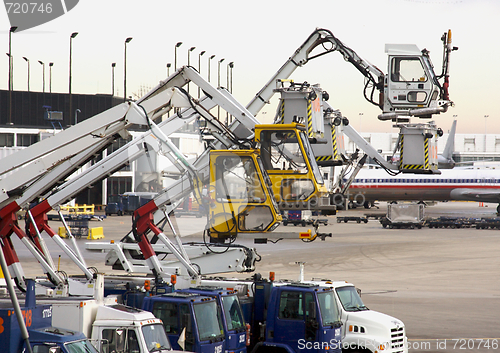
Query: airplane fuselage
(466, 184)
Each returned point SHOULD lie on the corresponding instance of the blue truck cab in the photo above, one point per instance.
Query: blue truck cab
(192, 322)
(231, 313)
(114, 205)
(38, 320)
(294, 318)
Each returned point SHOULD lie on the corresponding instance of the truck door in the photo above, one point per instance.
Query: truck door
(291, 328)
(176, 319)
(409, 83)
(119, 340)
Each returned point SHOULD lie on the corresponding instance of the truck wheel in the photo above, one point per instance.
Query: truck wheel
(285, 223)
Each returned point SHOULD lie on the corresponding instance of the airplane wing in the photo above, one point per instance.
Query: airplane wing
(479, 195)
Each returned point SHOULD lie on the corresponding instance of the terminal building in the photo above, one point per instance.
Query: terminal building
(468, 147)
(36, 116)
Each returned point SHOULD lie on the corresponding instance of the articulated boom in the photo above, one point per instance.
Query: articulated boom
(411, 87)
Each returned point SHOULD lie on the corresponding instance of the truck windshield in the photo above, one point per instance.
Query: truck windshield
(350, 299)
(155, 337)
(82, 346)
(208, 320)
(328, 307)
(233, 313)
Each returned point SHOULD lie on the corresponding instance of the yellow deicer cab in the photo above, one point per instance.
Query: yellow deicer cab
(241, 199)
(289, 160)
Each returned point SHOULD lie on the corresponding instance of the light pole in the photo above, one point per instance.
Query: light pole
(189, 61)
(218, 84)
(189, 53)
(113, 65)
(199, 69)
(43, 81)
(218, 72)
(28, 61)
(177, 45)
(73, 35)
(50, 76)
(210, 58)
(125, 69)
(485, 120)
(11, 74)
(168, 69)
(229, 66)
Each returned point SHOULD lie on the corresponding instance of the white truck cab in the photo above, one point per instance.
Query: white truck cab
(364, 328)
(122, 328)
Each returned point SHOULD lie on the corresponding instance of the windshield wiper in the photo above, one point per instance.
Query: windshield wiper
(157, 349)
(355, 308)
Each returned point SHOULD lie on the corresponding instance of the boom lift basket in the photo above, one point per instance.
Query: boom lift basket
(418, 148)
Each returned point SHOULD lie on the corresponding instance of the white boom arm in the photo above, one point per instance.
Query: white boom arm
(320, 37)
(154, 104)
(23, 167)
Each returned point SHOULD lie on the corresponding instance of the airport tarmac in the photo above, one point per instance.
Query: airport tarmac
(444, 284)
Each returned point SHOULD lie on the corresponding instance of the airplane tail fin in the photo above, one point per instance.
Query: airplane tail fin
(450, 143)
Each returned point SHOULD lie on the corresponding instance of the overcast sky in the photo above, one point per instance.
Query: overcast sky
(259, 36)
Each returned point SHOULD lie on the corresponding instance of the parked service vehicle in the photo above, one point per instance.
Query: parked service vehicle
(363, 328)
(112, 326)
(233, 321)
(291, 317)
(43, 336)
(192, 322)
(359, 328)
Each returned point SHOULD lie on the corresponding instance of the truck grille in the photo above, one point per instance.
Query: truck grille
(397, 339)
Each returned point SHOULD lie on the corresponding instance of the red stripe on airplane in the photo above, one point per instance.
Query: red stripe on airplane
(434, 186)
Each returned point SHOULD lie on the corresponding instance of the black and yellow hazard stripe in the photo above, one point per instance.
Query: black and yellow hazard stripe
(334, 143)
(401, 152)
(282, 111)
(411, 166)
(323, 158)
(309, 119)
(426, 153)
